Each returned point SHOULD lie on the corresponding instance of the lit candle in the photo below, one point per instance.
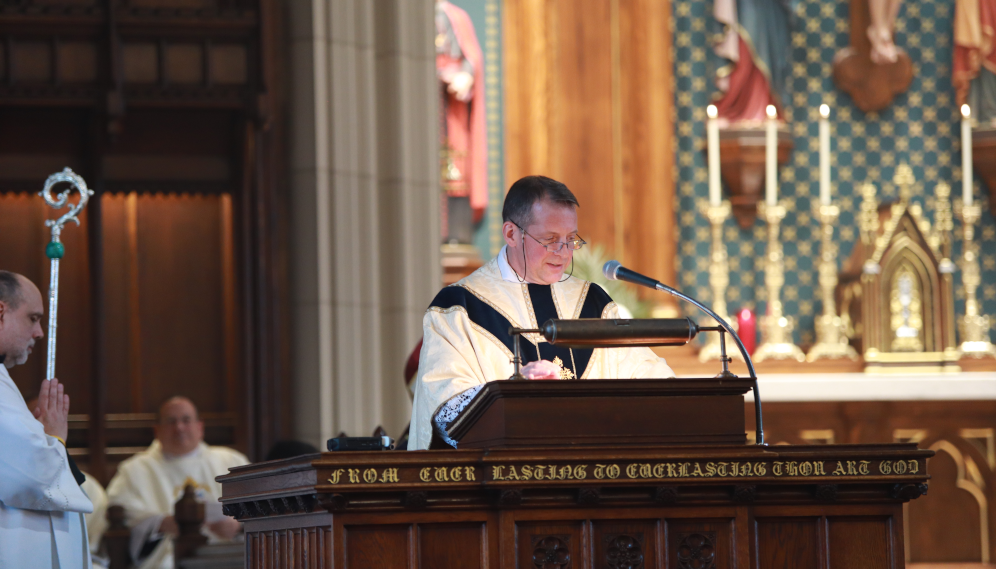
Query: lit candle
(712, 148)
(966, 154)
(824, 155)
(771, 157)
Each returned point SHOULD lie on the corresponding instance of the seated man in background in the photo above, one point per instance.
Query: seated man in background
(148, 484)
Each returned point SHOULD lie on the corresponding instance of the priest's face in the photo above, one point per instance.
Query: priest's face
(20, 324)
(180, 430)
(550, 223)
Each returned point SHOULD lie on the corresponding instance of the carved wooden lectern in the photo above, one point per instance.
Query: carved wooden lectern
(665, 487)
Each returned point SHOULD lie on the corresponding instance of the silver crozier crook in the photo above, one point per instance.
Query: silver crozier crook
(55, 249)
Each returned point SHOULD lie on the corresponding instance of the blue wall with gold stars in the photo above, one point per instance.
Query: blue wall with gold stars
(920, 127)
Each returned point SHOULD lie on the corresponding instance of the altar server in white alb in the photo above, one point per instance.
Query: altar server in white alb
(41, 502)
(465, 330)
(149, 484)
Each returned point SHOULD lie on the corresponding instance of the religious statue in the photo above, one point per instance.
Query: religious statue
(758, 41)
(883, 17)
(463, 140)
(974, 68)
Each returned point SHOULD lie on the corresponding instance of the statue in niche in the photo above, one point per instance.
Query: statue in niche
(974, 68)
(463, 139)
(757, 40)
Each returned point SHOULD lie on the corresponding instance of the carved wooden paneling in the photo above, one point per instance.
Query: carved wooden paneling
(154, 97)
(452, 546)
(377, 546)
(789, 543)
(588, 103)
(289, 549)
(860, 543)
(701, 544)
(625, 544)
(549, 545)
(952, 522)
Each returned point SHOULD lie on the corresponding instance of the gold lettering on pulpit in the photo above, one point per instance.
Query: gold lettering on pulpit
(898, 467)
(863, 467)
(370, 476)
(426, 474)
(389, 475)
(456, 475)
(468, 473)
(334, 479)
(440, 475)
(776, 468)
(354, 475)
(580, 472)
(761, 469)
(839, 471)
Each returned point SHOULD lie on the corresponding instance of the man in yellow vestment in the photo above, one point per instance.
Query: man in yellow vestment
(465, 330)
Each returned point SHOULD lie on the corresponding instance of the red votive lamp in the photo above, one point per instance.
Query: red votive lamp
(747, 329)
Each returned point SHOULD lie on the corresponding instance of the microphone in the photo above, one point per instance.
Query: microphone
(614, 271)
(619, 333)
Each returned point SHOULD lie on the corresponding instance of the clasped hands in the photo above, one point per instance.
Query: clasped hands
(52, 409)
(542, 369)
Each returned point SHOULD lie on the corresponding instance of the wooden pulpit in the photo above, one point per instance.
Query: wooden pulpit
(586, 474)
(633, 412)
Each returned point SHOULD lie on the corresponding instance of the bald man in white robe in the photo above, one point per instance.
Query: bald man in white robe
(41, 502)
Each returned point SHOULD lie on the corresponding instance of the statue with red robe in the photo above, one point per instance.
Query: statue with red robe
(463, 137)
(974, 69)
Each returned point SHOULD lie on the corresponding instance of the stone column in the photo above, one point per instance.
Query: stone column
(365, 219)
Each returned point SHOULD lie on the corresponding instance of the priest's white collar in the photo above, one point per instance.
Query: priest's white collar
(507, 274)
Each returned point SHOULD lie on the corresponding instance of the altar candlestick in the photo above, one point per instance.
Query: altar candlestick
(712, 144)
(824, 155)
(966, 154)
(771, 157)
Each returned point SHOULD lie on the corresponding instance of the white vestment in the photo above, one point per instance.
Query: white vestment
(41, 505)
(466, 343)
(96, 521)
(149, 484)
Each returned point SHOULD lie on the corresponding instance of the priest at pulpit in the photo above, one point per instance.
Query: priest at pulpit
(466, 341)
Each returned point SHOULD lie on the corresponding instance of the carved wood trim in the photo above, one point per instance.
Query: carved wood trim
(551, 551)
(696, 550)
(624, 551)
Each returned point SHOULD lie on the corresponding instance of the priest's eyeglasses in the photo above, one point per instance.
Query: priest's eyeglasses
(557, 246)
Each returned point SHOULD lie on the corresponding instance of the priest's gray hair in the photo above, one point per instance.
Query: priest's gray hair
(10, 289)
(527, 191)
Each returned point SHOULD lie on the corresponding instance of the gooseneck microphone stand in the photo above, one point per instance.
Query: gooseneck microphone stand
(613, 270)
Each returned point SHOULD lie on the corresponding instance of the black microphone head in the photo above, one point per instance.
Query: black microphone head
(610, 269)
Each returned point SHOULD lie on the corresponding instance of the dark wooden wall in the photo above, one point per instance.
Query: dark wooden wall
(173, 284)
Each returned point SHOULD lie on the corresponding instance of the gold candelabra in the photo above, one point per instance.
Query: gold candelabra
(974, 326)
(719, 276)
(776, 328)
(831, 337)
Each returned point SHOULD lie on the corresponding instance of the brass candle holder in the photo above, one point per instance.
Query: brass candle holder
(831, 339)
(974, 327)
(719, 276)
(776, 328)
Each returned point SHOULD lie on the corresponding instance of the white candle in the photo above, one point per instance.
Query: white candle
(771, 157)
(824, 155)
(712, 149)
(966, 154)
